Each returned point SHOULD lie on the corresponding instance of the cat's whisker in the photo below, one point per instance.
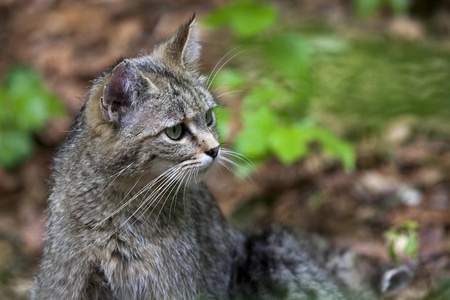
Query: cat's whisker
(169, 173)
(173, 184)
(226, 167)
(184, 191)
(155, 195)
(238, 166)
(196, 177)
(244, 157)
(230, 169)
(223, 57)
(120, 171)
(221, 67)
(144, 189)
(240, 157)
(227, 93)
(162, 191)
(169, 193)
(126, 195)
(116, 175)
(175, 195)
(217, 88)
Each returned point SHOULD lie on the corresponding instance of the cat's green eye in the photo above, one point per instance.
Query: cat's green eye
(209, 117)
(175, 132)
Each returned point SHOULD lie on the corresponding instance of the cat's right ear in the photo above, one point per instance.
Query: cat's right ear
(183, 48)
(121, 90)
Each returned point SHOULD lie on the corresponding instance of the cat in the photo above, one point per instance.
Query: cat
(129, 216)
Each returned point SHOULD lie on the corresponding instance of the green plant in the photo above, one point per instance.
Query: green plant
(245, 18)
(26, 105)
(278, 88)
(373, 81)
(403, 240)
(367, 8)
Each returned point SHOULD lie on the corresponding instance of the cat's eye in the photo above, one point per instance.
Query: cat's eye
(175, 132)
(209, 117)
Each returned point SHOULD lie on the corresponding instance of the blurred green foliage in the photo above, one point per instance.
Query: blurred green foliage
(26, 105)
(245, 18)
(303, 82)
(367, 8)
(374, 81)
(396, 236)
(278, 88)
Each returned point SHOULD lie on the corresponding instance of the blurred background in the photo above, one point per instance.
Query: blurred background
(339, 109)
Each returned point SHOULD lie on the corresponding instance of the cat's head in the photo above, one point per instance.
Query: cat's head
(155, 112)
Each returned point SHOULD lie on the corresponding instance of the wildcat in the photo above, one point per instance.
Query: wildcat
(128, 216)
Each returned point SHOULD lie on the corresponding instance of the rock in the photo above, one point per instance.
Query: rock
(398, 133)
(375, 185)
(409, 196)
(407, 28)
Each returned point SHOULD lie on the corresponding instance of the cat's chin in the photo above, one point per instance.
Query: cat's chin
(205, 164)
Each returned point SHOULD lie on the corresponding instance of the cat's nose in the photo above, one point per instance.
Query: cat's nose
(213, 152)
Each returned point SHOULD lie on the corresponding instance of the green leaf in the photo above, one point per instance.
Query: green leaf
(391, 234)
(15, 146)
(400, 7)
(267, 93)
(223, 116)
(332, 145)
(219, 17)
(26, 107)
(367, 8)
(230, 79)
(410, 225)
(288, 144)
(392, 253)
(245, 18)
(253, 139)
(289, 55)
(412, 246)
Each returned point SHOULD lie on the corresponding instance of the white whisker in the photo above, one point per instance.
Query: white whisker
(170, 172)
(240, 157)
(221, 67)
(223, 57)
(175, 195)
(144, 189)
(231, 170)
(227, 93)
(155, 195)
(116, 175)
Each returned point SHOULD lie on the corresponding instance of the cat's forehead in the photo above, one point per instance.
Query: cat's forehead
(178, 97)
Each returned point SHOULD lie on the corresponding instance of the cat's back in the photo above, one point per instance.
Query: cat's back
(277, 263)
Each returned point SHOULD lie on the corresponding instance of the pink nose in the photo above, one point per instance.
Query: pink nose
(213, 152)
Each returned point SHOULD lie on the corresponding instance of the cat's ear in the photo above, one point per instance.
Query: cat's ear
(120, 91)
(183, 48)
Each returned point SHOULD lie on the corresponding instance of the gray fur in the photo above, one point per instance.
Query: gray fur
(106, 239)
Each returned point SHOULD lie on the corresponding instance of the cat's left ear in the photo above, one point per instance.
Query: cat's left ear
(183, 48)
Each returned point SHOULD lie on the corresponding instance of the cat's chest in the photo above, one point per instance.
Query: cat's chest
(153, 265)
